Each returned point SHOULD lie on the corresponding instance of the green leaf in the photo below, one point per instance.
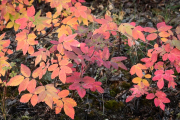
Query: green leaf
(11, 17)
(37, 14)
(176, 43)
(31, 19)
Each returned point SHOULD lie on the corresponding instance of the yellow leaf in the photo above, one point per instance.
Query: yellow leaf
(15, 81)
(145, 82)
(164, 39)
(136, 80)
(147, 76)
(10, 25)
(16, 26)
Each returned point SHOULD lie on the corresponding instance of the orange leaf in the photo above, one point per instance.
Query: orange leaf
(178, 30)
(52, 94)
(31, 86)
(30, 50)
(66, 69)
(49, 100)
(15, 81)
(136, 33)
(62, 76)
(25, 70)
(69, 110)
(50, 87)
(10, 51)
(23, 85)
(59, 103)
(64, 62)
(25, 98)
(69, 101)
(137, 69)
(36, 72)
(164, 34)
(58, 110)
(145, 82)
(38, 59)
(55, 73)
(42, 96)
(34, 100)
(52, 67)
(39, 89)
(44, 56)
(149, 29)
(63, 93)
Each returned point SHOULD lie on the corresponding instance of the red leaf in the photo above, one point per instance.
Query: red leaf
(151, 36)
(129, 98)
(164, 28)
(22, 22)
(162, 106)
(160, 83)
(74, 86)
(54, 42)
(84, 48)
(150, 96)
(81, 92)
(30, 11)
(118, 61)
(88, 79)
(160, 24)
(70, 55)
(106, 53)
(156, 102)
(149, 29)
